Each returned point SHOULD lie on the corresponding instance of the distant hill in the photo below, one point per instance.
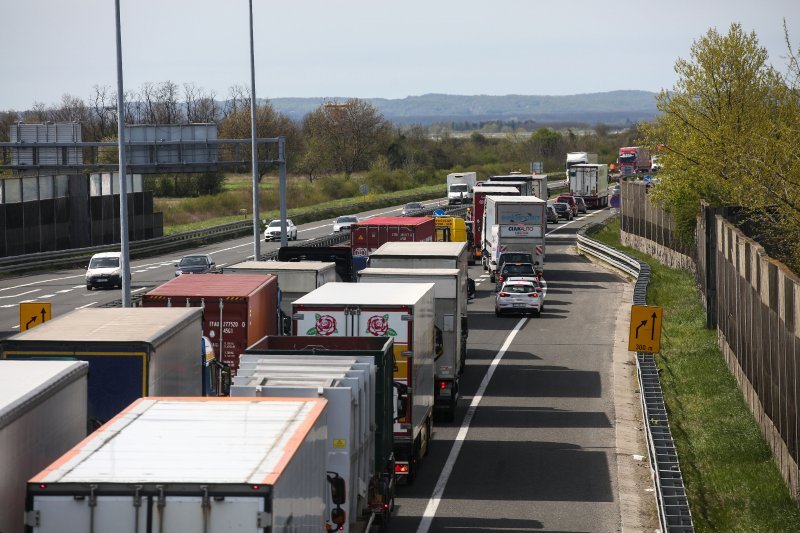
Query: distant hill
(614, 107)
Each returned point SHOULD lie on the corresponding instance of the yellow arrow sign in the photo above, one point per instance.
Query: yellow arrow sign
(645, 335)
(31, 314)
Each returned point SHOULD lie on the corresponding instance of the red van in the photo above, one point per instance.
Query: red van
(569, 199)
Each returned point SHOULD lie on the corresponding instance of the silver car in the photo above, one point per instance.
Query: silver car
(410, 207)
(519, 297)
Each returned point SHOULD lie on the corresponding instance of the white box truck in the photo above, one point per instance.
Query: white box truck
(459, 187)
(42, 415)
(451, 321)
(591, 183)
(528, 184)
(521, 226)
(239, 465)
(348, 385)
(578, 158)
(403, 311)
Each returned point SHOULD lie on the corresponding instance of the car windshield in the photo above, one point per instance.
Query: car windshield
(414, 206)
(193, 260)
(459, 187)
(515, 258)
(275, 224)
(519, 288)
(104, 262)
(514, 270)
(627, 157)
(342, 220)
(560, 206)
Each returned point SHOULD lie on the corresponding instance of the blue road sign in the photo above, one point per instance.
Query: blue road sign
(648, 178)
(439, 213)
(615, 202)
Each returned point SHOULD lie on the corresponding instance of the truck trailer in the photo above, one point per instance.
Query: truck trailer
(371, 234)
(240, 465)
(480, 192)
(238, 309)
(633, 160)
(403, 311)
(459, 187)
(451, 321)
(577, 158)
(534, 184)
(591, 183)
(521, 223)
(42, 415)
(132, 352)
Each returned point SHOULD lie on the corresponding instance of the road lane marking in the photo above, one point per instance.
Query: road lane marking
(20, 294)
(85, 306)
(438, 491)
(576, 220)
(139, 290)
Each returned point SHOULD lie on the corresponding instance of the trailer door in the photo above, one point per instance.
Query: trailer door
(187, 513)
(73, 514)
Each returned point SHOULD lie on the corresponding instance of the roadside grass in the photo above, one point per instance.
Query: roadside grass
(731, 480)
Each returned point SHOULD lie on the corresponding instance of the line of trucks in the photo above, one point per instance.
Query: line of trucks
(195, 412)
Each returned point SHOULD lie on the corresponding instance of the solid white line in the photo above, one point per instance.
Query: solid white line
(438, 491)
(139, 290)
(87, 305)
(576, 220)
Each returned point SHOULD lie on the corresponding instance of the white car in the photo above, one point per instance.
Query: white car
(104, 270)
(273, 231)
(344, 222)
(519, 297)
(411, 207)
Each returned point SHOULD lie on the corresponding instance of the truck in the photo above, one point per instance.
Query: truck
(578, 158)
(632, 160)
(480, 192)
(380, 350)
(132, 352)
(402, 311)
(240, 465)
(535, 184)
(340, 256)
(521, 226)
(295, 278)
(348, 384)
(368, 235)
(238, 309)
(42, 415)
(451, 321)
(450, 229)
(590, 182)
(459, 187)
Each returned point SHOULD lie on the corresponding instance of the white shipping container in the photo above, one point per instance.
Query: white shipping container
(42, 415)
(191, 464)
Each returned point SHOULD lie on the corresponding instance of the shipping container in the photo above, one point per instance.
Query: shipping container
(132, 352)
(240, 465)
(591, 183)
(480, 192)
(369, 235)
(403, 311)
(341, 256)
(238, 309)
(536, 184)
(521, 226)
(42, 415)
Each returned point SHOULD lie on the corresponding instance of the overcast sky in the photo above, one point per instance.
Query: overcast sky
(368, 48)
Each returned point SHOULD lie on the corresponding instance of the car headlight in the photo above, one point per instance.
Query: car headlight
(177, 272)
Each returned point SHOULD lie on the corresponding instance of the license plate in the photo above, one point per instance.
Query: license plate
(519, 305)
(101, 280)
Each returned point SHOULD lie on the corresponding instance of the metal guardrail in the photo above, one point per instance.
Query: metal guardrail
(673, 505)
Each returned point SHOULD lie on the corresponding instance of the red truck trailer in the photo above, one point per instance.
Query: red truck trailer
(238, 309)
(633, 159)
(479, 194)
(369, 235)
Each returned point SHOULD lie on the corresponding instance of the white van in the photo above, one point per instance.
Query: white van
(104, 270)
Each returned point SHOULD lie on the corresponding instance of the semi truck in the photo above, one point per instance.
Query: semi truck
(521, 223)
(380, 350)
(238, 309)
(632, 160)
(590, 182)
(481, 191)
(240, 465)
(42, 415)
(341, 256)
(369, 235)
(403, 311)
(535, 184)
(451, 321)
(459, 187)
(132, 352)
(578, 158)
(348, 384)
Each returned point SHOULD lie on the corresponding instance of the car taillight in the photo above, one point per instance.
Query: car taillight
(504, 294)
(500, 279)
(533, 295)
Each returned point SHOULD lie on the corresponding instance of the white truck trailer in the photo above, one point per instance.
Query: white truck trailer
(459, 187)
(528, 184)
(239, 465)
(403, 311)
(578, 158)
(42, 415)
(451, 321)
(521, 224)
(591, 183)
(348, 384)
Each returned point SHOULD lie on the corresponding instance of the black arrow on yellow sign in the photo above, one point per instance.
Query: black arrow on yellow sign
(644, 322)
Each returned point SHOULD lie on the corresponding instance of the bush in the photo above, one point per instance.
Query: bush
(388, 180)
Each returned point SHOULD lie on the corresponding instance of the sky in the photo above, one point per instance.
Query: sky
(368, 48)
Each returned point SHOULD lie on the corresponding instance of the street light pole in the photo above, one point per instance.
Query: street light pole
(124, 262)
(256, 214)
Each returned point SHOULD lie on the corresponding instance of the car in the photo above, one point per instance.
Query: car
(194, 264)
(563, 210)
(615, 190)
(273, 231)
(514, 257)
(568, 199)
(581, 205)
(552, 214)
(519, 270)
(104, 270)
(519, 297)
(344, 222)
(410, 207)
(655, 163)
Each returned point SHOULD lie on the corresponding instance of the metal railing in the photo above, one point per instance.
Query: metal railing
(673, 505)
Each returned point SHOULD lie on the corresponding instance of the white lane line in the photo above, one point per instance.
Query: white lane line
(45, 296)
(20, 294)
(7, 306)
(15, 327)
(63, 291)
(139, 290)
(78, 286)
(438, 491)
(85, 306)
(315, 227)
(576, 220)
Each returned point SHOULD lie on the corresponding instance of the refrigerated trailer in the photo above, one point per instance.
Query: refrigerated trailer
(42, 415)
(480, 192)
(521, 223)
(591, 183)
(239, 465)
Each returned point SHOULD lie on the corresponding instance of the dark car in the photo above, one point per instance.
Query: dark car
(552, 214)
(514, 257)
(523, 270)
(194, 264)
(563, 210)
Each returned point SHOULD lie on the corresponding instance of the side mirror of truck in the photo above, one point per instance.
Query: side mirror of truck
(401, 400)
(470, 288)
(338, 492)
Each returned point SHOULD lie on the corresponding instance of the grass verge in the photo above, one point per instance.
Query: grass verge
(731, 480)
